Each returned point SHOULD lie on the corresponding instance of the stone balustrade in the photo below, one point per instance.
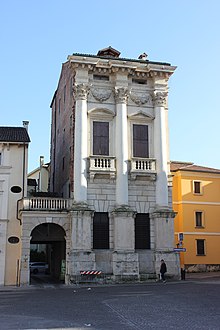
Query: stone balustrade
(45, 203)
(102, 165)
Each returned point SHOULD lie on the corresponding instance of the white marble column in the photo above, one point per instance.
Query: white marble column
(160, 149)
(80, 143)
(121, 139)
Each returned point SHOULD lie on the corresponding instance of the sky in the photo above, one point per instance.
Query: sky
(37, 36)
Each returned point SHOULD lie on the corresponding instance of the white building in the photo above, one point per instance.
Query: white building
(110, 166)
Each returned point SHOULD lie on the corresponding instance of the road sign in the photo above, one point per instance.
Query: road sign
(180, 237)
(179, 249)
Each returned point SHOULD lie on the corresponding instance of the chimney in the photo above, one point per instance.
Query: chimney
(41, 161)
(143, 57)
(25, 124)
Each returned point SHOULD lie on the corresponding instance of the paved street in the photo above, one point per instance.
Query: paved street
(190, 304)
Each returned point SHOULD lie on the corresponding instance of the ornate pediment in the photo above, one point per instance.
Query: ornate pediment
(141, 115)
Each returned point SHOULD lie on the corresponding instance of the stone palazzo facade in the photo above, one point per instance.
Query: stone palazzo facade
(110, 168)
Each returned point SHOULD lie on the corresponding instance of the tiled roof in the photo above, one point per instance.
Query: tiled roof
(186, 166)
(13, 134)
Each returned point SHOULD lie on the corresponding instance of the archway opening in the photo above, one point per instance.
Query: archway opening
(47, 254)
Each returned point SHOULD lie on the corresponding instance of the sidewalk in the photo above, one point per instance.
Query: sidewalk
(203, 275)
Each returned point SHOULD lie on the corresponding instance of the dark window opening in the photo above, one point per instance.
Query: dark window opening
(200, 247)
(197, 187)
(99, 77)
(100, 230)
(100, 138)
(139, 81)
(142, 231)
(140, 141)
(198, 219)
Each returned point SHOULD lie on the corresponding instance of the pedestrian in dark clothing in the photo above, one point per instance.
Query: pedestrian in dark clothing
(163, 270)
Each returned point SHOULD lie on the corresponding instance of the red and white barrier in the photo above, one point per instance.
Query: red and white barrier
(90, 272)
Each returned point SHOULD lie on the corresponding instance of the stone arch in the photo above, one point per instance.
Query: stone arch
(30, 221)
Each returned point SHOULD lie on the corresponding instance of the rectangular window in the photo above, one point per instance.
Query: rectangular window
(139, 81)
(199, 218)
(197, 187)
(142, 231)
(200, 244)
(99, 77)
(140, 141)
(100, 230)
(100, 138)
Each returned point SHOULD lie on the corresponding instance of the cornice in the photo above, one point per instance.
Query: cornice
(116, 66)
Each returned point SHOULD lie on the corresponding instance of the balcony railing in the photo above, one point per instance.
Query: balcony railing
(143, 166)
(39, 203)
(102, 164)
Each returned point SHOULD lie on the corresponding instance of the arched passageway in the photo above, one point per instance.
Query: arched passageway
(47, 254)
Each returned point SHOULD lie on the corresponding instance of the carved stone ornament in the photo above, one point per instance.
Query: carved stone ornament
(160, 99)
(101, 94)
(81, 91)
(140, 98)
(121, 94)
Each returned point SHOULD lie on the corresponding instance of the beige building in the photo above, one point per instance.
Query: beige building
(13, 178)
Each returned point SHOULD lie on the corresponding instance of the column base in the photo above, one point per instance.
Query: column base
(125, 266)
(81, 260)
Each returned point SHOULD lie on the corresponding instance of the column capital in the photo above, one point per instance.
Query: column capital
(121, 94)
(160, 99)
(81, 91)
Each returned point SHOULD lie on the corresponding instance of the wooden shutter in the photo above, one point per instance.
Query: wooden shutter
(142, 231)
(100, 138)
(140, 141)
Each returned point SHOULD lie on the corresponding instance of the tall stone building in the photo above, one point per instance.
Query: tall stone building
(110, 159)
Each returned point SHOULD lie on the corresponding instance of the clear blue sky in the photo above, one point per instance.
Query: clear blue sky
(37, 37)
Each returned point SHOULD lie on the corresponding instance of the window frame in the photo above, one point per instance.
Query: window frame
(102, 116)
(200, 186)
(197, 248)
(202, 219)
(141, 120)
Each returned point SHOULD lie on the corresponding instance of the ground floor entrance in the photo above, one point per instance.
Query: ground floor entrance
(47, 254)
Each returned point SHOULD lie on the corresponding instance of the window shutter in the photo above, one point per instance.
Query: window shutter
(100, 230)
(100, 138)
(142, 231)
(140, 141)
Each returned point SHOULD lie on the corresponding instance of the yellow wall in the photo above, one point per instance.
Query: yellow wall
(185, 202)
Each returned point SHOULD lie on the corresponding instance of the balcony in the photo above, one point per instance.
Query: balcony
(102, 165)
(143, 167)
(44, 204)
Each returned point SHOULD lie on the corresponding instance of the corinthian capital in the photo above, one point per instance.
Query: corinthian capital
(121, 94)
(160, 99)
(81, 91)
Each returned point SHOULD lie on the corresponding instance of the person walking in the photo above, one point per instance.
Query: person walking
(163, 270)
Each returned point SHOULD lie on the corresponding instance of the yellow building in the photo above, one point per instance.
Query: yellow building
(196, 199)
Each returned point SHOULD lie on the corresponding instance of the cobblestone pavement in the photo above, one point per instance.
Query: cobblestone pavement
(189, 304)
